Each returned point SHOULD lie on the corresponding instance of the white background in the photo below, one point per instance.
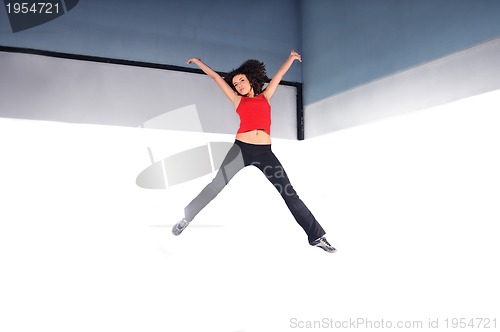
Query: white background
(411, 203)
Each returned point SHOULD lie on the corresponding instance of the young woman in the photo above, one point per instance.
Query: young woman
(245, 89)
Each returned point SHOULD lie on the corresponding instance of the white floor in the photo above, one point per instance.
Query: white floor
(411, 203)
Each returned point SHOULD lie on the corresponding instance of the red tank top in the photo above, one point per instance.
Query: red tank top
(255, 113)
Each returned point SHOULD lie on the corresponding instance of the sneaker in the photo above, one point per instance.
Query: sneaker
(179, 227)
(323, 244)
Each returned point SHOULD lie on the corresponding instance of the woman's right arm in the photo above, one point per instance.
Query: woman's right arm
(228, 91)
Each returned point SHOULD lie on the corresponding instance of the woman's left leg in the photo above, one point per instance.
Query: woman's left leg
(269, 164)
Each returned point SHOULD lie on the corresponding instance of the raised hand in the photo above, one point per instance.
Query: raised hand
(193, 60)
(295, 56)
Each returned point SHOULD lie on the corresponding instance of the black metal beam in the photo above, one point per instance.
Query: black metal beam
(80, 57)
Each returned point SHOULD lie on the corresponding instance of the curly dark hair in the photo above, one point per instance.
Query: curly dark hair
(254, 70)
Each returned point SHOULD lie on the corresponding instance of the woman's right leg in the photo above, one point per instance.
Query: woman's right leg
(232, 164)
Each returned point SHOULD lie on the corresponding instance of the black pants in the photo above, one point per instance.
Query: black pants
(243, 154)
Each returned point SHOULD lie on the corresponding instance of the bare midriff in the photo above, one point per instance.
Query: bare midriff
(257, 136)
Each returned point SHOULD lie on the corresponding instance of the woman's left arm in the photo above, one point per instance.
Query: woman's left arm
(275, 81)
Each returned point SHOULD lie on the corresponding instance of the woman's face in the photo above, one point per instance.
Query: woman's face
(242, 85)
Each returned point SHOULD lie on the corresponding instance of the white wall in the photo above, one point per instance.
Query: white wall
(56, 89)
